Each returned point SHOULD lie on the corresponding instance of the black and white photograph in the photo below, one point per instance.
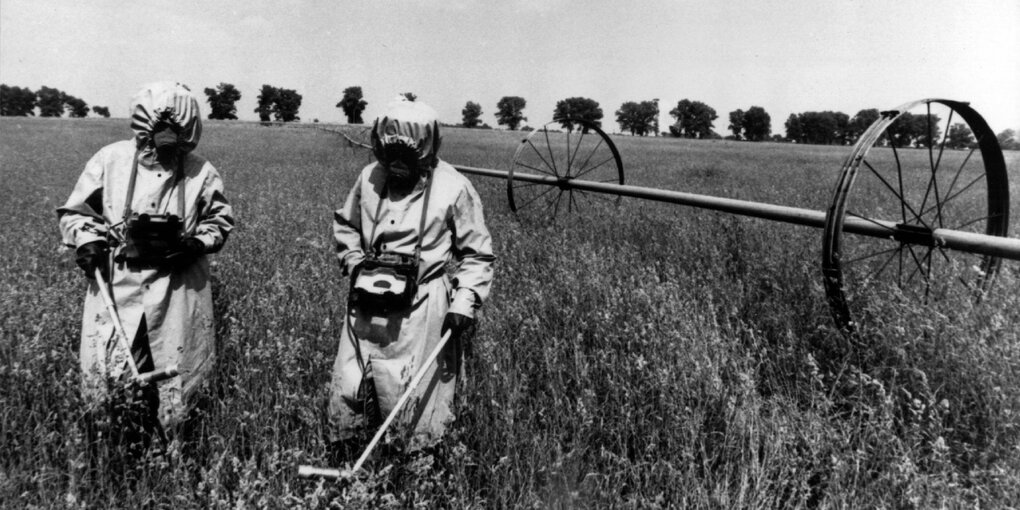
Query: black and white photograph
(558, 254)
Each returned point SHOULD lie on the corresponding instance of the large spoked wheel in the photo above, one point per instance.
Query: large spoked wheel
(548, 160)
(912, 172)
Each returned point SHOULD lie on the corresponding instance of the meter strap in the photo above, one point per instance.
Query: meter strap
(424, 210)
(131, 185)
(134, 177)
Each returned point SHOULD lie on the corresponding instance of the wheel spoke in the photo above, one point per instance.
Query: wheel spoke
(572, 155)
(548, 145)
(880, 268)
(933, 184)
(899, 177)
(539, 170)
(945, 136)
(872, 255)
(539, 154)
(899, 274)
(927, 274)
(971, 222)
(917, 263)
(567, 170)
(590, 170)
(536, 197)
(590, 154)
(556, 203)
(958, 193)
(869, 220)
(956, 176)
(897, 195)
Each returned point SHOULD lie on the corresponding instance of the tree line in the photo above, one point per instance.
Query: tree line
(692, 119)
(23, 101)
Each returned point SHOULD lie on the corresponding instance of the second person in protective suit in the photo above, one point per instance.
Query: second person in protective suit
(408, 216)
(145, 213)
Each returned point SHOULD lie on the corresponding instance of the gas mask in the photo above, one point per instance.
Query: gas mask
(405, 141)
(166, 140)
(403, 168)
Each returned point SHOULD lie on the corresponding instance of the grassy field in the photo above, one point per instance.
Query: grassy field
(650, 356)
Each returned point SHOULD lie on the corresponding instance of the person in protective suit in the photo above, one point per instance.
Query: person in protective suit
(408, 216)
(146, 212)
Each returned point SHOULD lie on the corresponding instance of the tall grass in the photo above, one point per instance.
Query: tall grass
(641, 357)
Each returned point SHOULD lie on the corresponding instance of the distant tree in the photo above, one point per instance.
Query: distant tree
(221, 101)
(842, 121)
(694, 119)
(910, 130)
(926, 130)
(510, 112)
(577, 108)
(959, 137)
(50, 102)
(794, 129)
(818, 127)
(638, 118)
(76, 108)
(352, 105)
(286, 106)
(757, 124)
(627, 117)
(471, 112)
(901, 132)
(16, 101)
(860, 123)
(411, 96)
(101, 111)
(1008, 141)
(736, 123)
(266, 100)
(655, 116)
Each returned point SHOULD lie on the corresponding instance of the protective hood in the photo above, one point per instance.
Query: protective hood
(165, 102)
(409, 123)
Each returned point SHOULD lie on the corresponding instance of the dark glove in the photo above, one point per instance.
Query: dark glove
(90, 256)
(461, 328)
(191, 250)
(459, 324)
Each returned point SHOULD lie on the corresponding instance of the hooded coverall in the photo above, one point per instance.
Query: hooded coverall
(175, 304)
(389, 347)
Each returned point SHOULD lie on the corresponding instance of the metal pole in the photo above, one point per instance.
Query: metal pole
(333, 473)
(981, 244)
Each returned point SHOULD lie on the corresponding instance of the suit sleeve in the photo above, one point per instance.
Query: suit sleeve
(347, 231)
(216, 217)
(81, 217)
(472, 249)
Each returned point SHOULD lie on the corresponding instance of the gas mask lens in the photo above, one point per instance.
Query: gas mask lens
(165, 140)
(401, 161)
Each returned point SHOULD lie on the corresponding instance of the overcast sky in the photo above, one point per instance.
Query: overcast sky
(786, 56)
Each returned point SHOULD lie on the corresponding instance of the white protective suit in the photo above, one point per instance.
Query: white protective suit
(176, 304)
(392, 345)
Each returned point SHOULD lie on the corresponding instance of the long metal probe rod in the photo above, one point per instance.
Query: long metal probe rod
(332, 473)
(122, 338)
(118, 328)
(970, 242)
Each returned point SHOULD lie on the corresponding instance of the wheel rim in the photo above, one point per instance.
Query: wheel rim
(547, 160)
(919, 189)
